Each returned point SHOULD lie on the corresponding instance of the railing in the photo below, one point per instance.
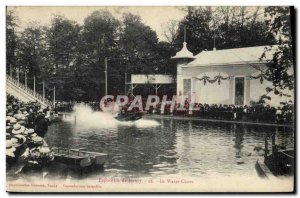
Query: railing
(29, 91)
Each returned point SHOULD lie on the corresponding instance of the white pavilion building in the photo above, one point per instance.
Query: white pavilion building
(229, 76)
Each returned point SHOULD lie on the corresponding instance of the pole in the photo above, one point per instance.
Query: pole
(34, 85)
(273, 144)
(105, 61)
(54, 97)
(184, 36)
(10, 68)
(266, 148)
(18, 76)
(26, 80)
(125, 81)
(43, 89)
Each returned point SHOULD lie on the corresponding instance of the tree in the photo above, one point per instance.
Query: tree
(223, 28)
(241, 27)
(197, 24)
(139, 42)
(11, 40)
(281, 68)
(32, 55)
(170, 31)
(62, 39)
(99, 36)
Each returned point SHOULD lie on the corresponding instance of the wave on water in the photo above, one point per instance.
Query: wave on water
(87, 117)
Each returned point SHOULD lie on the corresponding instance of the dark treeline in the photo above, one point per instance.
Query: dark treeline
(71, 57)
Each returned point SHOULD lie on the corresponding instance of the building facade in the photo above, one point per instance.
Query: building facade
(229, 76)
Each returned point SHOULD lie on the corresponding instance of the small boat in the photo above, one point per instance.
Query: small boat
(56, 117)
(128, 116)
(279, 162)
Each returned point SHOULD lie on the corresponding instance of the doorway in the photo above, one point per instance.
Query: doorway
(239, 90)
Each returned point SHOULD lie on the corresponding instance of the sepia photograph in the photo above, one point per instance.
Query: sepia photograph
(173, 99)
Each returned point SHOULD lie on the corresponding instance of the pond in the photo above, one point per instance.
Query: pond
(155, 147)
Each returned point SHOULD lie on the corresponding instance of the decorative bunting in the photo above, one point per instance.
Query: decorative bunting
(260, 76)
(218, 78)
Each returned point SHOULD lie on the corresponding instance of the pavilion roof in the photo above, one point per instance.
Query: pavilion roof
(235, 56)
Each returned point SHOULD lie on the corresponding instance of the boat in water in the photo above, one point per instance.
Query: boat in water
(128, 116)
(56, 117)
(120, 113)
(280, 161)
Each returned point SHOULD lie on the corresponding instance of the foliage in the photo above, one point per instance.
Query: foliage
(99, 34)
(223, 27)
(31, 50)
(70, 56)
(281, 67)
(62, 38)
(11, 39)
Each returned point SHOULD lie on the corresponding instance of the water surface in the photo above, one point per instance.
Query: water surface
(162, 147)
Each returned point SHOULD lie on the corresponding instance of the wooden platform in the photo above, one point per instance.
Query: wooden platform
(78, 159)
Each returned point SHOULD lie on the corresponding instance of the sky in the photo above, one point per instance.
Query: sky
(155, 17)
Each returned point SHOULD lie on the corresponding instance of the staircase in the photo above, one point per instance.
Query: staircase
(25, 94)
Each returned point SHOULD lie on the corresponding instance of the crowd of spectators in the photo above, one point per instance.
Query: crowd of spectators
(255, 112)
(252, 113)
(26, 125)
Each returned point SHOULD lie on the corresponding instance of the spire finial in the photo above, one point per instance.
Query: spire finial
(214, 42)
(184, 38)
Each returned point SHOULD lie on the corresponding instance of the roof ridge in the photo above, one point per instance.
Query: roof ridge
(245, 54)
(240, 48)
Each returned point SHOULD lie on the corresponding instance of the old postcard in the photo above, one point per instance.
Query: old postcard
(150, 99)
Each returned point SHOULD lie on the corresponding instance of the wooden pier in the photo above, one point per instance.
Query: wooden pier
(78, 160)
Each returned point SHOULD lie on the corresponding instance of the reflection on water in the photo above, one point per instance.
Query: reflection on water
(168, 146)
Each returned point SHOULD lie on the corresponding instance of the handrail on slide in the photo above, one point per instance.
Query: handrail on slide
(27, 91)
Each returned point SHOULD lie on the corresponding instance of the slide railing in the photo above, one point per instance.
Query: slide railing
(24, 93)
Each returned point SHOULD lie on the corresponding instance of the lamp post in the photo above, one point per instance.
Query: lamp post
(34, 85)
(43, 89)
(10, 70)
(105, 61)
(25, 80)
(18, 75)
(125, 81)
(125, 86)
(54, 97)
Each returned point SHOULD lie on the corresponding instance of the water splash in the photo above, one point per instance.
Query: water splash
(86, 117)
(143, 123)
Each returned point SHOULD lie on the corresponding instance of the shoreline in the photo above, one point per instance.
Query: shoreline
(215, 120)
